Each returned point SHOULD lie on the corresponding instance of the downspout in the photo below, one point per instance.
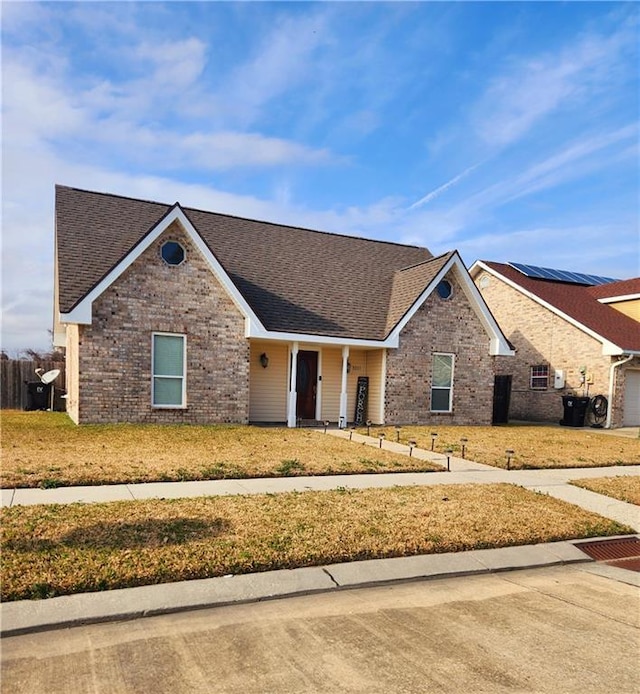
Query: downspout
(612, 369)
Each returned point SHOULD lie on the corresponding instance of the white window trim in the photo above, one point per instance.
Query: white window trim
(531, 377)
(450, 389)
(183, 406)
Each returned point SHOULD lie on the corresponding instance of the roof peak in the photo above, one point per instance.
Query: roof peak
(235, 216)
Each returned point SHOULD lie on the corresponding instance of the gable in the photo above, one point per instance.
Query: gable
(574, 303)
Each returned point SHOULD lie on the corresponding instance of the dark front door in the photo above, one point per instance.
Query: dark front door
(306, 384)
(501, 399)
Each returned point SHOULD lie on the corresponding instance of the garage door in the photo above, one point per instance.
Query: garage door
(632, 399)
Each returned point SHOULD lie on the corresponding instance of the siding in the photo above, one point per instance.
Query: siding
(331, 383)
(630, 308)
(268, 387)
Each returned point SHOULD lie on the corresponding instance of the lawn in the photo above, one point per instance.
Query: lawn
(534, 446)
(622, 488)
(53, 550)
(46, 449)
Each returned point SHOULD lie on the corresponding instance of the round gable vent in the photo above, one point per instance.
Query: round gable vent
(172, 253)
(444, 289)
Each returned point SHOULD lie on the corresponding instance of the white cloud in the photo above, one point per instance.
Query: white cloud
(530, 90)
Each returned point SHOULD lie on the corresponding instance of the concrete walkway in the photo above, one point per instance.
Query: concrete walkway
(462, 471)
(35, 615)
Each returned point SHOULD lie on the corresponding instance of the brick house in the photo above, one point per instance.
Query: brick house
(570, 338)
(171, 315)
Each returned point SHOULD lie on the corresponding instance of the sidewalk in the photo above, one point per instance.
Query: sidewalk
(462, 471)
(37, 615)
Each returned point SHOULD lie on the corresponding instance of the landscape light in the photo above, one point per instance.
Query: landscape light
(449, 451)
(398, 427)
(381, 436)
(434, 436)
(463, 441)
(368, 427)
(412, 444)
(326, 424)
(509, 453)
(351, 433)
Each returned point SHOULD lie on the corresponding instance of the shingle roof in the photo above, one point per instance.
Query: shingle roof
(409, 283)
(614, 289)
(295, 280)
(578, 302)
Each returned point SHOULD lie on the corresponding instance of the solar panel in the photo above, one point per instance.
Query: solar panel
(547, 273)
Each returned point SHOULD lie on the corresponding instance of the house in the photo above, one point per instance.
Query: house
(169, 314)
(573, 334)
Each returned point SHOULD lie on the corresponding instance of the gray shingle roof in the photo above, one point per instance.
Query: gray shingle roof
(295, 280)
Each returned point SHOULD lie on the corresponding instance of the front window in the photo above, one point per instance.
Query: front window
(168, 367)
(539, 377)
(442, 383)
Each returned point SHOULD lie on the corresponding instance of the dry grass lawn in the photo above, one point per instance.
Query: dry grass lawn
(622, 488)
(535, 446)
(61, 549)
(46, 449)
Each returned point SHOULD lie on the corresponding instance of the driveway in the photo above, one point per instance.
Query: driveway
(560, 629)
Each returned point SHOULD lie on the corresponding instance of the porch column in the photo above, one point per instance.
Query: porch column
(293, 393)
(342, 420)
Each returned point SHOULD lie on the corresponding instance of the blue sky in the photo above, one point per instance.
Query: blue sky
(506, 130)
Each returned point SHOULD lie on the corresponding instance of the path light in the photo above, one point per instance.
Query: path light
(412, 444)
(381, 436)
(326, 424)
(463, 441)
(434, 436)
(368, 427)
(351, 433)
(449, 451)
(398, 427)
(509, 453)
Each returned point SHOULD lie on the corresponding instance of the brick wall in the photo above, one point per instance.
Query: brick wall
(441, 326)
(542, 337)
(114, 353)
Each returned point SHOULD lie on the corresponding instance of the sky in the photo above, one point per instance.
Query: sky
(507, 131)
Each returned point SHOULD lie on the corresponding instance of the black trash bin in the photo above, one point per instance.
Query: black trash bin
(38, 395)
(575, 410)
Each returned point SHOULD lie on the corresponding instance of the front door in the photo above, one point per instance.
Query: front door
(307, 384)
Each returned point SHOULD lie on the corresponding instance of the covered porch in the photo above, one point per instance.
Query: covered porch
(293, 382)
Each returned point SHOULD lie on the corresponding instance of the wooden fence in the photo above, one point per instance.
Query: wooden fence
(16, 373)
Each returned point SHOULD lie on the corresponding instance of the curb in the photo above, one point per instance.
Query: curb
(29, 616)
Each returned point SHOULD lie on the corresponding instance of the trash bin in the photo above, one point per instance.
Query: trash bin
(575, 410)
(38, 395)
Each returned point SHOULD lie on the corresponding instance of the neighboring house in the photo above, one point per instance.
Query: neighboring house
(570, 337)
(169, 314)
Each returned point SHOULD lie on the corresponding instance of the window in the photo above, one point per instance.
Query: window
(442, 383)
(444, 289)
(168, 368)
(539, 377)
(172, 253)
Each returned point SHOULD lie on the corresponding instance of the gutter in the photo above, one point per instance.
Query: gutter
(612, 369)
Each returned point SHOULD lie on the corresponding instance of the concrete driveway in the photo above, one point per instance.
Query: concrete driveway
(560, 629)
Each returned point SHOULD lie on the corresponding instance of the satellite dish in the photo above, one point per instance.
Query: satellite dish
(39, 372)
(50, 376)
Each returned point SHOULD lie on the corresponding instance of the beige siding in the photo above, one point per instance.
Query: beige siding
(72, 372)
(630, 308)
(358, 361)
(331, 383)
(374, 371)
(268, 387)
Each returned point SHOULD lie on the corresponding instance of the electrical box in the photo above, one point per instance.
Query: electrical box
(558, 379)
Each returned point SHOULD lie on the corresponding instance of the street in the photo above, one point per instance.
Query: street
(557, 629)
